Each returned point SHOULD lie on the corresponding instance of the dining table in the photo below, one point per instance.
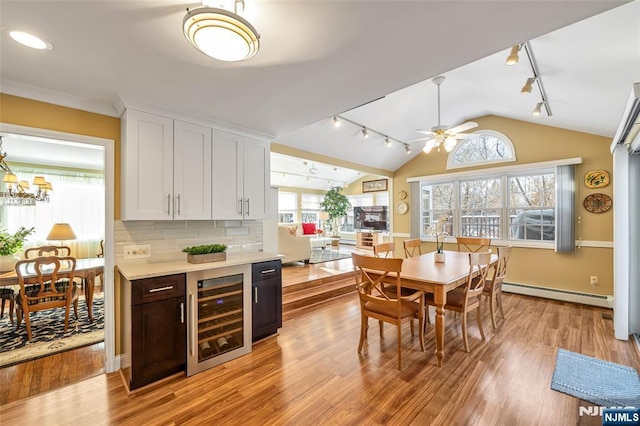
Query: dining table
(424, 273)
(87, 268)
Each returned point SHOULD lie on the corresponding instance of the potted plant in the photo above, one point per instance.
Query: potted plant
(206, 253)
(336, 204)
(440, 232)
(10, 244)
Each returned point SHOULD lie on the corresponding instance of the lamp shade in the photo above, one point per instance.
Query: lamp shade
(39, 180)
(324, 215)
(61, 232)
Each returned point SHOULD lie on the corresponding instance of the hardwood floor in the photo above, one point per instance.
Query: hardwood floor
(311, 373)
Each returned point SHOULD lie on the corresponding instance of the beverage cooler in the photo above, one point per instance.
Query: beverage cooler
(219, 311)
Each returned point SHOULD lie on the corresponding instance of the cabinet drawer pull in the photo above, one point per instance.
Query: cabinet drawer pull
(169, 204)
(255, 295)
(182, 313)
(155, 290)
(178, 204)
(267, 271)
(247, 213)
(240, 206)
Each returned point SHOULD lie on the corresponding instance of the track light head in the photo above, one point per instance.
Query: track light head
(365, 133)
(528, 85)
(387, 141)
(336, 121)
(512, 59)
(407, 149)
(538, 109)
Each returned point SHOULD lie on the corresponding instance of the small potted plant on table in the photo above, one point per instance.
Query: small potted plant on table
(10, 244)
(206, 253)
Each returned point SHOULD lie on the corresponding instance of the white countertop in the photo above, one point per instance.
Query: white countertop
(136, 271)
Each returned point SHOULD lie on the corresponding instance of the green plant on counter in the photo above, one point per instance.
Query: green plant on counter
(205, 249)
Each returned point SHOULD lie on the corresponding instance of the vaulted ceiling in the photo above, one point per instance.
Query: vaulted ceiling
(320, 58)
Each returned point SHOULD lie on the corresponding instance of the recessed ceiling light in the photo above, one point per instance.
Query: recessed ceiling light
(30, 40)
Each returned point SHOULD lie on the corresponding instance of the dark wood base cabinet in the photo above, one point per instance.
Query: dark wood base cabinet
(266, 295)
(154, 328)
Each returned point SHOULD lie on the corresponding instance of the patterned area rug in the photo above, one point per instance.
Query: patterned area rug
(48, 336)
(326, 255)
(600, 382)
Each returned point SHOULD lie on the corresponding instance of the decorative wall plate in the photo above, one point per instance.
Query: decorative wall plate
(402, 194)
(596, 179)
(597, 203)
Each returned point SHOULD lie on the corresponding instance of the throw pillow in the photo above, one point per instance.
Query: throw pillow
(293, 230)
(308, 228)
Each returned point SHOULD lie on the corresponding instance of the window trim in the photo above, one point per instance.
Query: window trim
(451, 165)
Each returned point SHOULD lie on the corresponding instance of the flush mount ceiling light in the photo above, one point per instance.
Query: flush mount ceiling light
(30, 40)
(221, 34)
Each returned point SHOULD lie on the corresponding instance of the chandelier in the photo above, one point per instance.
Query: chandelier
(17, 193)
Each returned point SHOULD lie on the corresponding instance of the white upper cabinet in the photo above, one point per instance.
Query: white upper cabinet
(240, 177)
(166, 168)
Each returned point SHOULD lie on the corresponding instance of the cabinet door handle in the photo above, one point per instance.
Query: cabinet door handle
(155, 290)
(247, 213)
(240, 206)
(178, 204)
(255, 295)
(267, 271)
(181, 313)
(169, 204)
(192, 324)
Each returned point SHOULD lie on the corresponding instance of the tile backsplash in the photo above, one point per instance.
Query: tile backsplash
(168, 238)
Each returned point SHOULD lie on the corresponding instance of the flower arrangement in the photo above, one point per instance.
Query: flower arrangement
(12, 243)
(440, 232)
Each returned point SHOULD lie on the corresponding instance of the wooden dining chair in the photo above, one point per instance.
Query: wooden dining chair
(473, 244)
(101, 274)
(467, 298)
(370, 273)
(45, 283)
(493, 287)
(7, 294)
(44, 251)
(384, 250)
(412, 247)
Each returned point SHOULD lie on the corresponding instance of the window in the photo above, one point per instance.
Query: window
(531, 207)
(287, 207)
(82, 190)
(508, 206)
(488, 147)
(311, 208)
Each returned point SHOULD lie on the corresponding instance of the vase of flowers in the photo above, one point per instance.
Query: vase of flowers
(10, 244)
(440, 232)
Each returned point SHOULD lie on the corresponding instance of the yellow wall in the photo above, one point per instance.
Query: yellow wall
(535, 143)
(41, 115)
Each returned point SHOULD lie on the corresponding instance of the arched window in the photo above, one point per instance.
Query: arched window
(488, 147)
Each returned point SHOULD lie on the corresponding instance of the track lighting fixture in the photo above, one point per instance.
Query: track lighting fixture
(512, 59)
(367, 131)
(538, 109)
(528, 85)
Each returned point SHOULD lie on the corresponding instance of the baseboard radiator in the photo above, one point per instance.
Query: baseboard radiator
(561, 295)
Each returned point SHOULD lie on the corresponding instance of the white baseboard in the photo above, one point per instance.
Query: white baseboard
(561, 295)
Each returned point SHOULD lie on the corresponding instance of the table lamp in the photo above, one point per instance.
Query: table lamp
(61, 232)
(324, 216)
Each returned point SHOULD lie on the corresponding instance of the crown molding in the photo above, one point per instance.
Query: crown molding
(57, 98)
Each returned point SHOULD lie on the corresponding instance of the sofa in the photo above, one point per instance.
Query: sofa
(293, 243)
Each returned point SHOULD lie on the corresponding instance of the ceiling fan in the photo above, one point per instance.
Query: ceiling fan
(442, 134)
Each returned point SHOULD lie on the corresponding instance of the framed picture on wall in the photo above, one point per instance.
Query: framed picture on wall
(375, 185)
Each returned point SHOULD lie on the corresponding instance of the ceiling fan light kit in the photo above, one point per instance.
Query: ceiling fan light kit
(221, 34)
(444, 135)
